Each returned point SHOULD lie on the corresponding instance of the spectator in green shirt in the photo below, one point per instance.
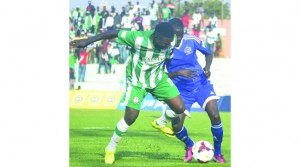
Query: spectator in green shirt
(87, 21)
(165, 13)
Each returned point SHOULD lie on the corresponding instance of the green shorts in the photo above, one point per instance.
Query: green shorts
(164, 90)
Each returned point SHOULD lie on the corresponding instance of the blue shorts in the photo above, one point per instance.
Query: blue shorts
(202, 95)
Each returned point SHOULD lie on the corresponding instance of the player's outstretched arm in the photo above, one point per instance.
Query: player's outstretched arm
(84, 42)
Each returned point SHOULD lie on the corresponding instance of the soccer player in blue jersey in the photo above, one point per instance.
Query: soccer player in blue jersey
(193, 84)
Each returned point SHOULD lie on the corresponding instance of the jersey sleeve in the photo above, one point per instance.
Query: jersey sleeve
(200, 45)
(126, 37)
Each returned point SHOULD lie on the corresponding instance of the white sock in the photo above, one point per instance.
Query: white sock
(164, 106)
(120, 130)
(166, 117)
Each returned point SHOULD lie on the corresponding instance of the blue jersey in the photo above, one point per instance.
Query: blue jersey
(185, 57)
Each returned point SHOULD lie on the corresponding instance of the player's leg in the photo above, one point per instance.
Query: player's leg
(182, 135)
(166, 91)
(216, 129)
(133, 99)
(176, 105)
(207, 98)
(161, 122)
(179, 128)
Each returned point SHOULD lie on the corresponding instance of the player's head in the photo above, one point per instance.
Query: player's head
(178, 29)
(163, 35)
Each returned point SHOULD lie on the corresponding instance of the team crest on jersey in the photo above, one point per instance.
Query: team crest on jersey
(188, 50)
(136, 100)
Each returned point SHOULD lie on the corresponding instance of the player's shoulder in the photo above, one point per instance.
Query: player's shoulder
(135, 34)
(191, 38)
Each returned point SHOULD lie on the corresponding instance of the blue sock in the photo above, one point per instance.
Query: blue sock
(217, 132)
(184, 137)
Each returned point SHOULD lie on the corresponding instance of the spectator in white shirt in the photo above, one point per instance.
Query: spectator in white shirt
(153, 14)
(210, 40)
(109, 22)
(147, 21)
(126, 22)
(196, 22)
(214, 20)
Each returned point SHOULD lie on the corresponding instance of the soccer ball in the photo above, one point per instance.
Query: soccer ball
(203, 151)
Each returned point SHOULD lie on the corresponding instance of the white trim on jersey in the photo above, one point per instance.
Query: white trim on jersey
(160, 75)
(127, 94)
(145, 67)
(152, 78)
(209, 99)
(142, 74)
(136, 56)
(187, 37)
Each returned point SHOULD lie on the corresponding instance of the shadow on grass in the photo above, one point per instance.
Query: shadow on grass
(108, 133)
(142, 155)
(92, 158)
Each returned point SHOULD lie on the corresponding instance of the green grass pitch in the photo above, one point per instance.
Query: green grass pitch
(142, 145)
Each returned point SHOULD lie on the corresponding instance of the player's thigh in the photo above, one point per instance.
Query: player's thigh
(165, 89)
(188, 97)
(176, 104)
(134, 97)
(205, 93)
(207, 99)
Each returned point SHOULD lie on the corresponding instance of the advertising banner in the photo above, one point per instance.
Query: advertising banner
(149, 103)
(91, 99)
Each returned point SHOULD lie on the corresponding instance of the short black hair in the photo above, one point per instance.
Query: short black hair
(176, 22)
(165, 29)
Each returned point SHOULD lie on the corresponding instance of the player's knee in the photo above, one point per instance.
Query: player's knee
(130, 119)
(216, 119)
(180, 109)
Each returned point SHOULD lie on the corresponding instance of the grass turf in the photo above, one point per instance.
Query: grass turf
(142, 145)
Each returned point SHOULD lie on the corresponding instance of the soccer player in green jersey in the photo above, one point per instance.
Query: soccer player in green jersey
(145, 74)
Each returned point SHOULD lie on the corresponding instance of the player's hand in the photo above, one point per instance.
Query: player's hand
(206, 72)
(81, 43)
(188, 73)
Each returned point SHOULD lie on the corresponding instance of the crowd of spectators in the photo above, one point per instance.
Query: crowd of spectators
(90, 20)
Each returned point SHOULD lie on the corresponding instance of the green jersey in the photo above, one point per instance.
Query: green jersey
(145, 69)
